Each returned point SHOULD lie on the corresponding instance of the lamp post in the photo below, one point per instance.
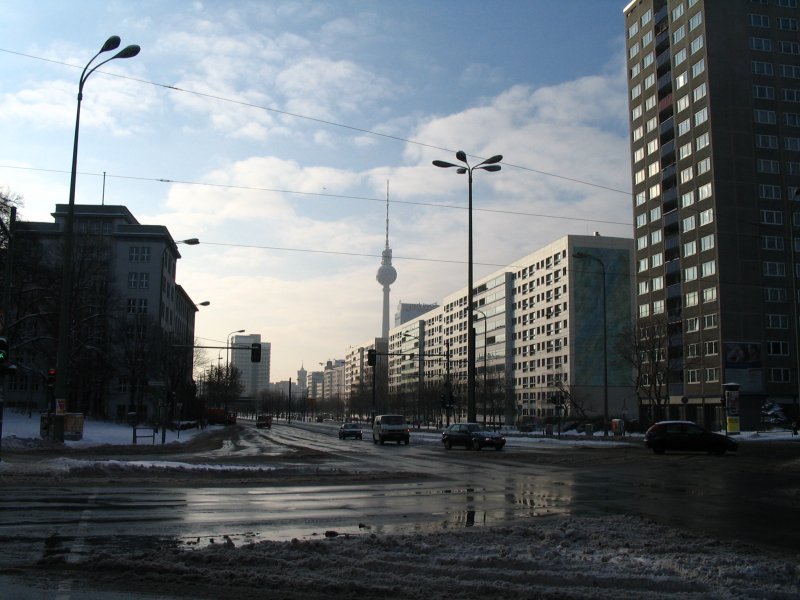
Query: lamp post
(485, 382)
(487, 165)
(228, 364)
(584, 255)
(64, 341)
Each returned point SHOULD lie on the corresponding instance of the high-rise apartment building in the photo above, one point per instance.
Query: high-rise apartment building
(714, 94)
(255, 376)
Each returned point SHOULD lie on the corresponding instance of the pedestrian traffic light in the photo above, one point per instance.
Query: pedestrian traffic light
(371, 358)
(51, 378)
(255, 352)
(3, 351)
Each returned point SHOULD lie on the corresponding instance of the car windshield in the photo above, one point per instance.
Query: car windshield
(474, 427)
(393, 419)
(350, 426)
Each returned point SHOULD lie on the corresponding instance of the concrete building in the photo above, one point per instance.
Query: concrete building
(714, 92)
(539, 337)
(255, 376)
(136, 326)
(408, 312)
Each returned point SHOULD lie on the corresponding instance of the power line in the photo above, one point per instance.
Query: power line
(314, 120)
(320, 194)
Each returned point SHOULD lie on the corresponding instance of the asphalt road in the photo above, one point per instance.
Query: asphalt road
(301, 482)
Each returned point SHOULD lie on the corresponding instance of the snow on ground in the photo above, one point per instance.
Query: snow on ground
(560, 557)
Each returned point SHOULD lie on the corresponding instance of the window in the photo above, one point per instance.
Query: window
(710, 321)
(768, 166)
(786, 3)
(681, 80)
(766, 117)
(655, 236)
(704, 166)
(691, 299)
(697, 44)
(682, 103)
(789, 47)
(787, 24)
(764, 92)
(641, 220)
(677, 12)
(699, 92)
(658, 307)
(650, 102)
(709, 294)
(655, 190)
(704, 191)
(641, 242)
(687, 199)
(690, 274)
(685, 150)
(652, 146)
(693, 376)
(679, 34)
(657, 283)
(650, 81)
(771, 242)
(702, 141)
(709, 268)
(790, 71)
(706, 242)
(775, 295)
(647, 38)
(690, 248)
(643, 265)
(657, 260)
(689, 223)
(792, 144)
(633, 29)
(680, 56)
(759, 67)
(778, 348)
(687, 174)
(791, 95)
(712, 374)
(633, 50)
(767, 141)
(692, 324)
(695, 21)
(644, 287)
(640, 198)
(648, 59)
(793, 168)
(636, 112)
(639, 132)
(758, 20)
(698, 67)
(692, 350)
(139, 254)
(777, 322)
(638, 177)
(761, 44)
(773, 268)
(791, 119)
(769, 192)
(655, 214)
(652, 124)
(646, 17)
(644, 310)
(638, 155)
(779, 375)
(685, 126)
(771, 217)
(636, 91)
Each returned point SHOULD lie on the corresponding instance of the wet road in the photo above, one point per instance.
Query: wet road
(753, 496)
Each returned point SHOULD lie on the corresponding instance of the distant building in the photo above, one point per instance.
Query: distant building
(255, 376)
(407, 312)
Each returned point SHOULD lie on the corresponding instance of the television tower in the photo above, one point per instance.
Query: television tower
(386, 273)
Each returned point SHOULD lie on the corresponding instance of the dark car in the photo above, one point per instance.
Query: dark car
(686, 436)
(471, 435)
(264, 421)
(350, 430)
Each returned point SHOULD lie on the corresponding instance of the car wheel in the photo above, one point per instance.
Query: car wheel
(448, 444)
(374, 440)
(658, 449)
(718, 451)
(498, 447)
(406, 441)
(380, 440)
(476, 445)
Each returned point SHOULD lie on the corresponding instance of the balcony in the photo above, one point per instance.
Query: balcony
(665, 82)
(674, 291)
(662, 40)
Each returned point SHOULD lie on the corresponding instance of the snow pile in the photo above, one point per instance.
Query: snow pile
(554, 557)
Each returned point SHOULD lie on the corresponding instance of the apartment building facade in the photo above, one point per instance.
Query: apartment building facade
(714, 94)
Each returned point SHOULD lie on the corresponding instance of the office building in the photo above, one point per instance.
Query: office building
(254, 376)
(714, 93)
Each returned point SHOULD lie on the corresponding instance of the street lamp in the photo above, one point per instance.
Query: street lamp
(584, 255)
(228, 364)
(491, 166)
(63, 350)
(485, 381)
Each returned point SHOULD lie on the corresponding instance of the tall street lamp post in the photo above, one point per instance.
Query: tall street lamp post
(64, 341)
(584, 255)
(491, 166)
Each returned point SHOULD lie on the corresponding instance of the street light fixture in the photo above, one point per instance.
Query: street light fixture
(64, 342)
(487, 165)
(584, 255)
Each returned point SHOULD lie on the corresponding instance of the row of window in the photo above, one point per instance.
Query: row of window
(763, 21)
(773, 167)
(767, 92)
(767, 68)
(765, 45)
(775, 217)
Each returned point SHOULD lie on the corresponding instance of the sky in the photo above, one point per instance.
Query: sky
(271, 131)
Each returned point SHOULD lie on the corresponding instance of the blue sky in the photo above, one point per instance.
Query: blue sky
(277, 125)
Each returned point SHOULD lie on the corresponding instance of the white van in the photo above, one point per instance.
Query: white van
(390, 428)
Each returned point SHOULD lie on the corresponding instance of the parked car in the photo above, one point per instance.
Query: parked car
(686, 436)
(472, 435)
(264, 421)
(350, 430)
(390, 428)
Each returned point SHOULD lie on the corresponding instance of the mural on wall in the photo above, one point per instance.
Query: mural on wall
(743, 366)
(588, 301)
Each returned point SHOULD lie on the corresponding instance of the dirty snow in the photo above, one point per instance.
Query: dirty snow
(552, 557)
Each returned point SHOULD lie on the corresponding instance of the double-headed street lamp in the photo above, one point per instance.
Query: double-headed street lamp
(491, 166)
(63, 350)
(584, 255)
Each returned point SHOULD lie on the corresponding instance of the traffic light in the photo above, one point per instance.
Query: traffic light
(3, 351)
(371, 358)
(255, 352)
(51, 378)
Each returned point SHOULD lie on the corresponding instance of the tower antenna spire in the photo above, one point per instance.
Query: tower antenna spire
(387, 213)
